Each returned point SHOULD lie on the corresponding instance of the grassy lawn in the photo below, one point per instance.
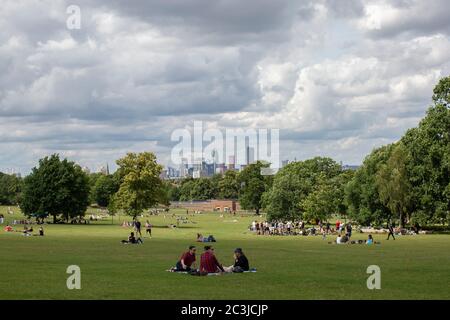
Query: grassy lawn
(412, 267)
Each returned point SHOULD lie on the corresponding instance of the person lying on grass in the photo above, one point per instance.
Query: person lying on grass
(209, 262)
(201, 238)
(132, 239)
(187, 261)
(240, 262)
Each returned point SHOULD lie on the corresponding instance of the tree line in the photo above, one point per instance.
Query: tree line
(407, 181)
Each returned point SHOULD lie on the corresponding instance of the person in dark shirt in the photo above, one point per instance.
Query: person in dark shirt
(187, 260)
(391, 231)
(132, 239)
(209, 262)
(240, 262)
(349, 230)
(137, 226)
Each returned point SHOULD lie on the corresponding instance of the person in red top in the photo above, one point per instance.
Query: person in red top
(338, 224)
(187, 260)
(209, 263)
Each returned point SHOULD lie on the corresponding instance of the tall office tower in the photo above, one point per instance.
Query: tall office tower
(209, 169)
(250, 155)
(184, 168)
(231, 163)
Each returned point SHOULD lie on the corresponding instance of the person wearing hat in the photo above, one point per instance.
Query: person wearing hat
(240, 262)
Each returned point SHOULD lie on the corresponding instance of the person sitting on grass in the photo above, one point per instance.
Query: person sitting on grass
(369, 239)
(132, 239)
(209, 262)
(8, 228)
(199, 237)
(187, 260)
(341, 239)
(240, 262)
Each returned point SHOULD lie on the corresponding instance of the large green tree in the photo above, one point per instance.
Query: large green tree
(185, 189)
(327, 197)
(294, 183)
(10, 189)
(56, 187)
(253, 185)
(393, 185)
(428, 165)
(104, 189)
(201, 189)
(361, 193)
(141, 187)
(229, 185)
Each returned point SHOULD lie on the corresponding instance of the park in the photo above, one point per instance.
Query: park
(59, 216)
(289, 267)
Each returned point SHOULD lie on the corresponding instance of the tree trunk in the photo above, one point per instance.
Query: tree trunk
(54, 219)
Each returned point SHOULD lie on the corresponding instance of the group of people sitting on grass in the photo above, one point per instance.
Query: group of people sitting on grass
(295, 227)
(209, 263)
(27, 231)
(345, 239)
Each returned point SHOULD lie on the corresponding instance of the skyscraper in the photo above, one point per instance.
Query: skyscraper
(231, 162)
(250, 155)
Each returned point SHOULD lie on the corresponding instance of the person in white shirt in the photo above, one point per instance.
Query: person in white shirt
(339, 239)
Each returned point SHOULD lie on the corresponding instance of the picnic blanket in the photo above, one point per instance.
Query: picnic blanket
(214, 274)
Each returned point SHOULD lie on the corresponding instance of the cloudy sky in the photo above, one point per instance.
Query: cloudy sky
(337, 77)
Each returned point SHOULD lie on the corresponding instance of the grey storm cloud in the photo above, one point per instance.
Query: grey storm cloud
(336, 77)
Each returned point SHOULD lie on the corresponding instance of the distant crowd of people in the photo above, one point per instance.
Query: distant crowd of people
(346, 239)
(297, 227)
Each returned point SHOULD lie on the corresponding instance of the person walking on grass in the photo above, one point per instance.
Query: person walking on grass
(137, 227)
(148, 228)
(348, 228)
(391, 231)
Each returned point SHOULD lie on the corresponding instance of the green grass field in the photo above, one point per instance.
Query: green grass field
(289, 267)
